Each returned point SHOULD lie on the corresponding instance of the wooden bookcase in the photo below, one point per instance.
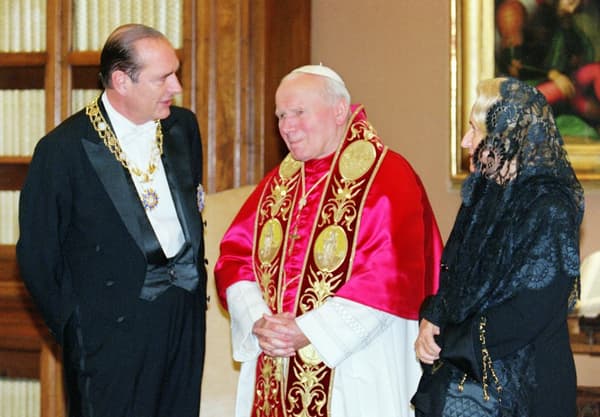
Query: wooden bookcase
(233, 54)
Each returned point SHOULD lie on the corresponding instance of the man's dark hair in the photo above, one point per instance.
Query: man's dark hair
(119, 52)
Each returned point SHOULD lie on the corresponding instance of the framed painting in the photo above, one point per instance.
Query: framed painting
(560, 56)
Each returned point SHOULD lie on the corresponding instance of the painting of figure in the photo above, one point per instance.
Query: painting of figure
(555, 46)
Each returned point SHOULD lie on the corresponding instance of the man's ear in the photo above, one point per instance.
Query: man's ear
(341, 111)
(120, 81)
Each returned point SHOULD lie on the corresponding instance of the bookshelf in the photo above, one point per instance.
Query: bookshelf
(24, 343)
(233, 54)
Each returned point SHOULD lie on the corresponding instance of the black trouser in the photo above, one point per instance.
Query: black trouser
(151, 367)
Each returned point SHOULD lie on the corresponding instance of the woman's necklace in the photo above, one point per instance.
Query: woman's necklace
(302, 203)
(148, 195)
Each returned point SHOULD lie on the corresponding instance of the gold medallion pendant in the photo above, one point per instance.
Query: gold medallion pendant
(148, 196)
(149, 199)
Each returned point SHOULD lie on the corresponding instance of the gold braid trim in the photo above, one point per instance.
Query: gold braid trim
(487, 365)
(487, 362)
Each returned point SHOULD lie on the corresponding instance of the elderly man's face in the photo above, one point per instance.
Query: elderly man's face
(309, 123)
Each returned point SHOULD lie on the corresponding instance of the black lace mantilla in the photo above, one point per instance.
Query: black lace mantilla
(518, 226)
(532, 204)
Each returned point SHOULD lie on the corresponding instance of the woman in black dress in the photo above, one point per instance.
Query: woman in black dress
(494, 340)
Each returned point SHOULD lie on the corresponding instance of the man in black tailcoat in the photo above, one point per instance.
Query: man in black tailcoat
(111, 238)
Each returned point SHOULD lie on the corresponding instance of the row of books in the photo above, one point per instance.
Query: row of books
(9, 222)
(80, 98)
(19, 397)
(22, 25)
(93, 20)
(23, 22)
(22, 118)
(23, 121)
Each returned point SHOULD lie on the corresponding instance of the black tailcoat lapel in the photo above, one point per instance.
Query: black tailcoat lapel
(177, 162)
(123, 194)
(121, 190)
(114, 179)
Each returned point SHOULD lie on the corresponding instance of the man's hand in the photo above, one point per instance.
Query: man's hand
(425, 347)
(279, 335)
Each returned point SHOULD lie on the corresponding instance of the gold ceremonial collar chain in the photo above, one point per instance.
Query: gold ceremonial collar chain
(112, 143)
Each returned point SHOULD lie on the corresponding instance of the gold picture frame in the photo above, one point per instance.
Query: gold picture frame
(472, 40)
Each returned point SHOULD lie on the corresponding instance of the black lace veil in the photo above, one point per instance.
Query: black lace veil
(522, 139)
(521, 169)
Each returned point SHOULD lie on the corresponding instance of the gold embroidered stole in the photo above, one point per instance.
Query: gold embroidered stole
(301, 386)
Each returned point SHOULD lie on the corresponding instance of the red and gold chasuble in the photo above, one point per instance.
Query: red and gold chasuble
(301, 385)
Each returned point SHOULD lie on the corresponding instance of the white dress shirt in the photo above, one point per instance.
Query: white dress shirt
(137, 143)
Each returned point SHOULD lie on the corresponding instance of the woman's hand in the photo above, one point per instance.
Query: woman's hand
(425, 346)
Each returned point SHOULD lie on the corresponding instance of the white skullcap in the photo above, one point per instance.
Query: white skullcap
(321, 70)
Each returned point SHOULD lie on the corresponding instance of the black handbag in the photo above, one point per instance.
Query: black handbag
(439, 395)
(470, 400)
